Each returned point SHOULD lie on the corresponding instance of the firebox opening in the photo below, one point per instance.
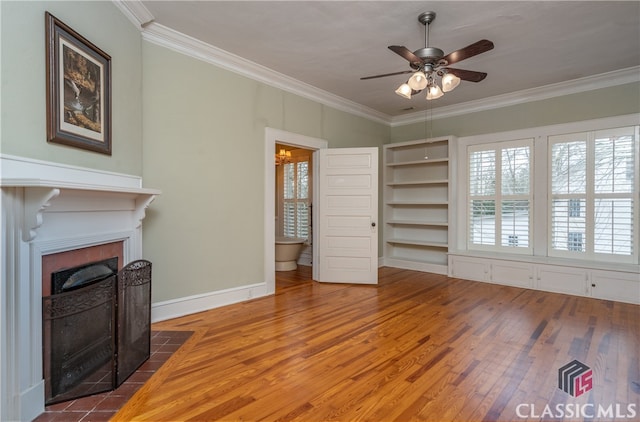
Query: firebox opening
(83, 275)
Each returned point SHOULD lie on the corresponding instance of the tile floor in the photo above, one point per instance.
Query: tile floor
(101, 407)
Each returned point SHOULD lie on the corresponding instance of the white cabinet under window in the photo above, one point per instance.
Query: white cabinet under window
(512, 273)
(560, 279)
(417, 208)
(620, 286)
(620, 283)
(509, 273)
(472, 269)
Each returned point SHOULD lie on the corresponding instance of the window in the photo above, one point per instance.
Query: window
(592, 210)
(574, 241)
(575, 207)
(296, 199)
(585, 185)
(500, 197)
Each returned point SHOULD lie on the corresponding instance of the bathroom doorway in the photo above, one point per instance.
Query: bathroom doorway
(293, 196)
(345, 248)
(287, 141)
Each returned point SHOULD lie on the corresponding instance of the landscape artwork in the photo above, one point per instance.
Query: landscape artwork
(82, 99)
(78, 90)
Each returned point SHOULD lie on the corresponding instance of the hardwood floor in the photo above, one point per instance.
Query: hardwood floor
(418, 346)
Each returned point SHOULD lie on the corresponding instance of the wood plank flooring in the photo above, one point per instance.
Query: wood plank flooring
(418, 346)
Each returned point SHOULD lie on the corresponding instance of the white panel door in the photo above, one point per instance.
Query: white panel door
(348, 215)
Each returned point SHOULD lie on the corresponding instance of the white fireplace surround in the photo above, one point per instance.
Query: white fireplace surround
(49, 208)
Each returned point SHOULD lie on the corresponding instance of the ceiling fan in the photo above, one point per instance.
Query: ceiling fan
(429, 62)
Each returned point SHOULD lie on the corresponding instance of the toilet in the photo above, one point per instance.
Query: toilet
(288, 251)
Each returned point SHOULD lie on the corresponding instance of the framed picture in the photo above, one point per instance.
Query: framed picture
(78, 89)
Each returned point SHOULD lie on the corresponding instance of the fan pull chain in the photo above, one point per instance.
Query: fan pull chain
(428, 122)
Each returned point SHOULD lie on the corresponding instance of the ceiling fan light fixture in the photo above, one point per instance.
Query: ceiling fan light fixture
(450, 82)
(430, 65)
(404, 90)
(418, 81)
(434, 92)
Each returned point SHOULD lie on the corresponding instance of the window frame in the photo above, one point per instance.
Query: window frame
(459, 224)
(499, 198)
(591, 196)
(298, 156)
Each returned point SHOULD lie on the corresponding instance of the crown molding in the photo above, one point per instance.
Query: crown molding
(179, 42)
(135, 11)
(184, 44)
(589, 83)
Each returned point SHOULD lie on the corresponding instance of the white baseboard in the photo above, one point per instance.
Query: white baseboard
(174, 308)
(32, 402)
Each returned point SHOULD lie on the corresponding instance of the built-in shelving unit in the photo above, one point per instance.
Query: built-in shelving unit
(417, 212)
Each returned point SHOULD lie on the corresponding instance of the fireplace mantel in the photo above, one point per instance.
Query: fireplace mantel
(49, 208)
(40, 193)
(53, 184)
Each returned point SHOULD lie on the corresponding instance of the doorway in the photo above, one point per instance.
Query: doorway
(293, 195)
(273, 137)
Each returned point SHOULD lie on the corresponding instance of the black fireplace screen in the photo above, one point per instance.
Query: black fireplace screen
(134, 315)
(80, 335)
(85, 326)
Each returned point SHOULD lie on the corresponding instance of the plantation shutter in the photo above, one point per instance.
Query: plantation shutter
(593, 181)
(500, 199)
(296, 219)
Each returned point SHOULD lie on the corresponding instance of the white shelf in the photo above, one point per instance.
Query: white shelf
(425, 203)
(417, 208)
(413, 144)
(419, 162)
(418, 223)
(418, 243)
(420, 182)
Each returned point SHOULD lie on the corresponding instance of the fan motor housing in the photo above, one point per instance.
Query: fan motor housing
(429, 54)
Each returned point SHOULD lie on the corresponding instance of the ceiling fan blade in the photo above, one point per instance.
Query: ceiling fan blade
(469, 51)
(387, 74)
(468, 75)
(406, 53)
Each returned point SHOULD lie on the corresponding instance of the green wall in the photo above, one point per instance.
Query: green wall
(605, 102)
(23, 123)
(204, 137)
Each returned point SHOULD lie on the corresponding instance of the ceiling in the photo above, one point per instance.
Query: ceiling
(330, 45)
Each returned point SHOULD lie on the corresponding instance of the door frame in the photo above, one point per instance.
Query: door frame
(273, 136)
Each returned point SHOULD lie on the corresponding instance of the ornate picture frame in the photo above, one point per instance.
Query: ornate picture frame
(78, 89)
